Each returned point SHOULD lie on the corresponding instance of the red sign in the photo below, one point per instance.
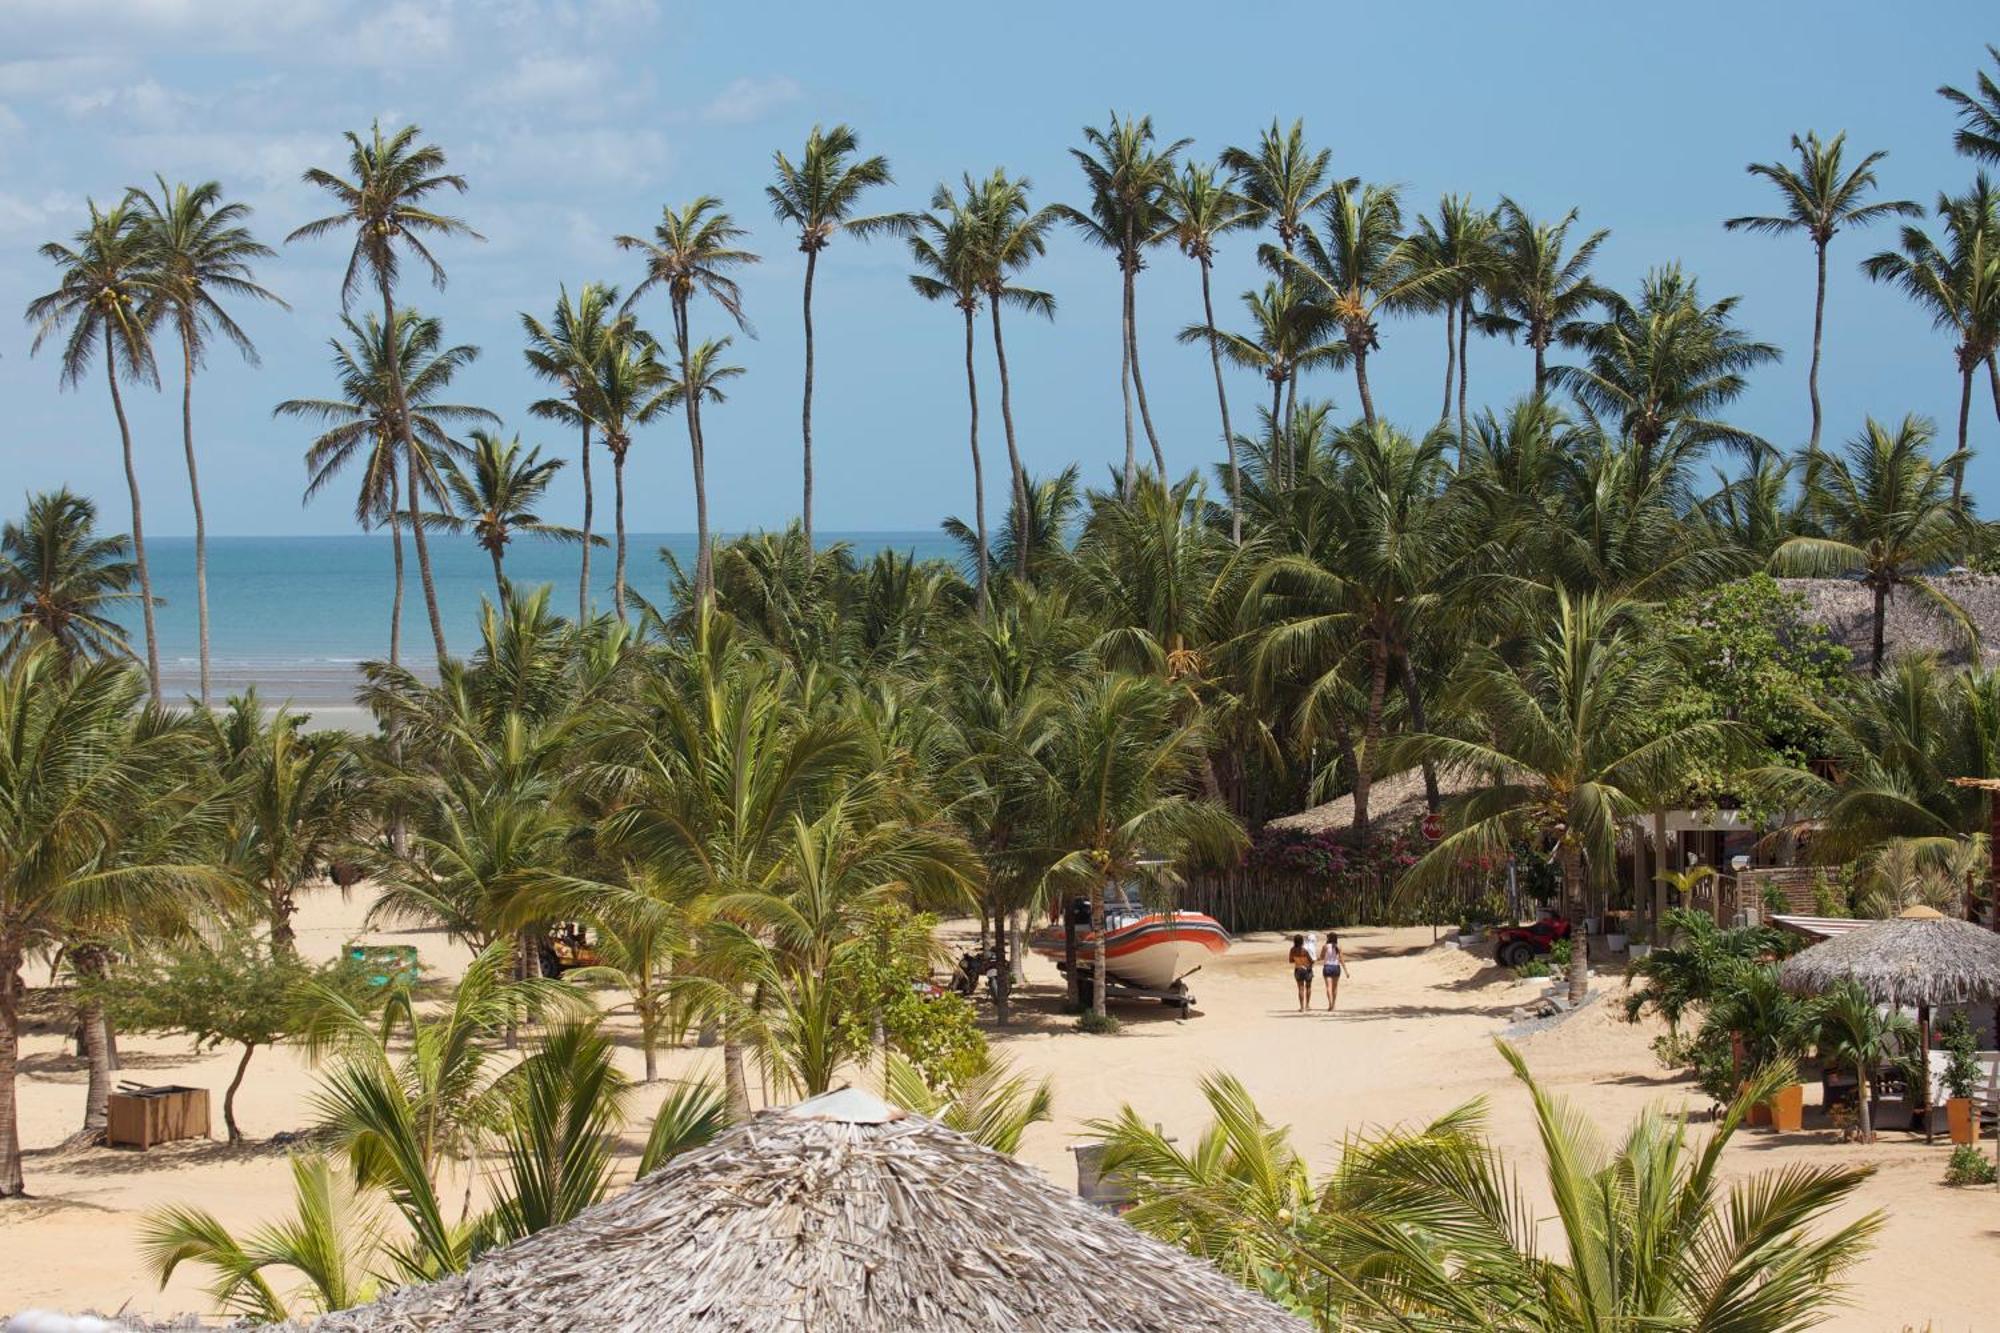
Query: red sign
(1433, 826)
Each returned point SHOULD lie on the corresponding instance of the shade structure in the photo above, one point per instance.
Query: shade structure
(1918, 958)
(839, 1215)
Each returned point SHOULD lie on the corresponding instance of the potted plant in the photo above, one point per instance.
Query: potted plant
(1768, 1024)
(1961, 1079)
(1641, 940)
(1856, 1034)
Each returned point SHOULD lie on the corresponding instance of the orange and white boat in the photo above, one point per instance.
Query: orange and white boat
(1149, 952)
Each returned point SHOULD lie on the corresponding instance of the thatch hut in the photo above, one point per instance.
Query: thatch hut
(1921, 958)
(1847, 608)
(840, 1215)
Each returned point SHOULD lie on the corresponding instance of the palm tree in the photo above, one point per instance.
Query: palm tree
(1461, 244)
(993, 1108)
(199, 250)
(818, 195)
(58, 579)
(1958, 284)
(701, 379)
(363, 422)
(1128, 178)
(384, 202)
(1202, 208)
(691, 253)
(1887, 515)
(1363, 266)
(1293, 333)
(1978, 135)
(627, 392)
(1282, 178)
(1820, 198)
(1538, 290)
(946, 252)
(105, 301)
(568, 352)
(495, 490)
(1662, 367)
(1012, 236)
(1853, 1031)
(1577, 743)
(1123, 757)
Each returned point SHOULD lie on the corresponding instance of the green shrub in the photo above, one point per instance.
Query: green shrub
(1534, 967)
(1095, 1023)
(1961, 1065)
(1968, 1166)
(1559, 955)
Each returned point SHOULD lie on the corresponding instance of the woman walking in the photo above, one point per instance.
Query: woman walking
(1302, 971)
(1329, 968)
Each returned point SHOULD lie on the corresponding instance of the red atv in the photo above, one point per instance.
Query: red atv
(1515, 945)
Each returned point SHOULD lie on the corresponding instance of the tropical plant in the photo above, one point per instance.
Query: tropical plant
(1203, 207)
(993, 1108)
(819, 195)
(1820, 197)
(1978, 134)
(1540, 288)
(495, 489)
(946, 251)
(199, 250)
(385, 202)
(569, 352)
(59, 579)
(104, 302)
(1460, 243)
(691, 254)
(1855, 1032)
(1293, 334)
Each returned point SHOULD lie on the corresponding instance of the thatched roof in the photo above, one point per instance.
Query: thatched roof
(838, 1215)
(1847, 609)
(1395, 800)
(1920, 957)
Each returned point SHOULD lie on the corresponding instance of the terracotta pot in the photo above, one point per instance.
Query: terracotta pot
(1958, 1115)
(1787, 1108)
(1759, 1114)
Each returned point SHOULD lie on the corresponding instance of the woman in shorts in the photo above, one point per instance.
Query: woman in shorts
(1330, 966)
(1302, 971)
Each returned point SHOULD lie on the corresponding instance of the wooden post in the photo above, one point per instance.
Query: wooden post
(1923, 1098)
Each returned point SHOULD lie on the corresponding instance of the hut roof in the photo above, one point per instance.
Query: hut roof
(842, 1215)
(1847, 609)
(1395, 800)
(1920, 957)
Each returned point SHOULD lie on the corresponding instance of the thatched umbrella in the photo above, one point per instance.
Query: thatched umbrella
(838, 1215)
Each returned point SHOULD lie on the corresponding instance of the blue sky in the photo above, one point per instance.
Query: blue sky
(576, 119)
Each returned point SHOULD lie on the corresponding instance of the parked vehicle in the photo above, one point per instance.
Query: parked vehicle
(1515, 945)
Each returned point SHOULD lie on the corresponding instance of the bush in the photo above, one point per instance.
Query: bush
(1961, 1066)
(1559, 956)
(1968, 1166)
(1100, 1025)
(1534, 967)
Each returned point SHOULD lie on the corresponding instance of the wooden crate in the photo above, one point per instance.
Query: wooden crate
(142, 1117)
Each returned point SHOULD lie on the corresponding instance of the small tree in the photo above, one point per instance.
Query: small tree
(1854, 1031)
(227, 991)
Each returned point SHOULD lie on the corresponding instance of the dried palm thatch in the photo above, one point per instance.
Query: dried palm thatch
(839, 1215)
(1395, 801)
(1847, 608)
(1919, 958)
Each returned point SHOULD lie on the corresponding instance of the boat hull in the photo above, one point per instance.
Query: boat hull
(1152, 952)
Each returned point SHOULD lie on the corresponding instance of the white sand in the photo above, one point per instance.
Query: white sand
(1413, 1038)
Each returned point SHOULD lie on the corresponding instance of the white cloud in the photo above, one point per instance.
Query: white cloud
(145, 105)
(37, 218)
(748, 99)
(404, 33)
(533, 161)
(53, 75)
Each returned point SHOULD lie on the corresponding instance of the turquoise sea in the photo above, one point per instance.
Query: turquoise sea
(296, 615)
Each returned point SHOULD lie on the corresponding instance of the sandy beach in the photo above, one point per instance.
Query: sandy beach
(1413, 1038)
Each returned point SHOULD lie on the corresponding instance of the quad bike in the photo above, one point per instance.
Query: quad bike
(972, 968)
(1515, 945)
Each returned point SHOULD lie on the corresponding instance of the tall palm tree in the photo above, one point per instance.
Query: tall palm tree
(569, 352)
(1578, 741)
(692, 252)
(947, 255)
(1293, 333)
(1202, 207)
(1128, 177)
(701, 379)
(200, 250)
(819, 195)
(1538, 288)
(1820, 198)
(364, 425)
(1887, 515)
(1957, 283)
(58, 579)
(1013, 234)
(1283, 178)
(1460, 243)
(1361, 268)
(385, 202)
(1978, 135)
(626, 393)
(104, 302)
(495, 489)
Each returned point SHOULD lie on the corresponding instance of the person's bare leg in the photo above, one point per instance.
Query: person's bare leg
(1332, 992)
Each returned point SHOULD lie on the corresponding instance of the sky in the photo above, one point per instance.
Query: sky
(576, 120)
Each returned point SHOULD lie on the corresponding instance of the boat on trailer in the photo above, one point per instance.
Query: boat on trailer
(1148, 954)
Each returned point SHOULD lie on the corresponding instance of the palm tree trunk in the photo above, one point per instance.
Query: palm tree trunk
(1881, 617)
(1414, 696)
(1819, 324)
(1993, 382)
(284, 940)
(410, 454)
(1020, 475)
(1464, 347)
(1371, 733)
(1964, 426)
(91, 964)
(1450, 357)
(229, 1096)
(1541, 367)
(138, 527)
(704, 589)
(735, 1085)
(1291, 399)
(396, 604)
(499, 575)
(1222, 402)
(1861, 1097)
(1361, 384)
(194, 496)
(1097, 945)
(11, 1184)
(1281, 441)
(1139, 388)
(806, 406)
(1125, 390)
(583, 579)
(618, 518)
(978, 472)
(1574, 909)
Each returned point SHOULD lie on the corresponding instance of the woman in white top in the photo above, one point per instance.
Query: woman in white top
(1330, 967)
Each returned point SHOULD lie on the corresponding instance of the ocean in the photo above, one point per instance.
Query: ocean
(295, 616)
